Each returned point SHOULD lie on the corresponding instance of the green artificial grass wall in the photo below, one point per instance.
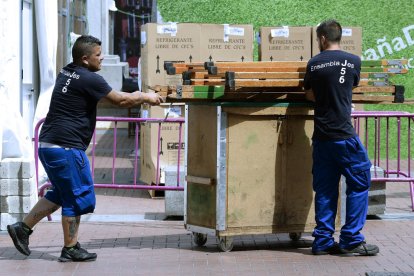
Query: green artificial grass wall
(382, 21)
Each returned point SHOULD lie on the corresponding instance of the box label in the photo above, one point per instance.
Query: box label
(167, 29)
(228, 31)
(143, 37)
(173, 112)
(346, 32)
(283, 32)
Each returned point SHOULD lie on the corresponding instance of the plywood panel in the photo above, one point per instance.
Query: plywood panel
(299, 207)
(201, 162)
(255, 166)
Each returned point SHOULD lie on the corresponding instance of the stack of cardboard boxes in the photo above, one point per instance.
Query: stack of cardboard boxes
(180, 42)
(287, 43)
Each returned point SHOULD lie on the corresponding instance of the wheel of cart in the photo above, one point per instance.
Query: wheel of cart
(225, 243)
(199, 238)
(295, 236)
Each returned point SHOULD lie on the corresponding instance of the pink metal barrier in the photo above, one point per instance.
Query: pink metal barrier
(136, 150)
(387, 135)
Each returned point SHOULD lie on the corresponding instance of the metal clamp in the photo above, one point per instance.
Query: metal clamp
(179, 91)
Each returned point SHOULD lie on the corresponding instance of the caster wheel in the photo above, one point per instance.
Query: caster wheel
(225, 244)
(295, 236)
(199, 239)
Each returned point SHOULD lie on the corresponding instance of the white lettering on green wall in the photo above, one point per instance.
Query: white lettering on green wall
(384, 48)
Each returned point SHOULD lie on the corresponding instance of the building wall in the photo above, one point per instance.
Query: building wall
(10, 72)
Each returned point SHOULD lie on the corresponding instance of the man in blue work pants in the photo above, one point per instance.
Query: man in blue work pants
(329, 80)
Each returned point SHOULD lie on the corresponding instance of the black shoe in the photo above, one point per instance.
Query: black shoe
(76, 254)
(333, 250)
(19, 232)
(362, 249)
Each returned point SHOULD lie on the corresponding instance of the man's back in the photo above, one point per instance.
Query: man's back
(72, 114)
(331, 75)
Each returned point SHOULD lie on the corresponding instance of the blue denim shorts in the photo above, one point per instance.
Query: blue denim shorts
(72, 186)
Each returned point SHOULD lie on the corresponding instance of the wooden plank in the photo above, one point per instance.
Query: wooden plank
(276, 75)
(374, 89)
(188, 65)
(394, 66)
(261, 64)
(200, 180)
(269, 75)
(382, 75)
(261, 69)
(272, 97)
(364, 82)
(190, 88)
(249, 75)
(356, 97)
(384, 62)
(385, 70)
(204, 75)
(269, 83)
(235, 96)
(223, 70)
(180, 70)
(208, 82)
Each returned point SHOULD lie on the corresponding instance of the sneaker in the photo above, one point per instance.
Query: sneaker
(76, 254)
(333, 250)
(19, 232)
(362, 249)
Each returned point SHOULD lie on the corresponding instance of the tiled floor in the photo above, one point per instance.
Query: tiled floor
(132, 236)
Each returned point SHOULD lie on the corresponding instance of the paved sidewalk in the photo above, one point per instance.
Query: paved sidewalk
(134, 238)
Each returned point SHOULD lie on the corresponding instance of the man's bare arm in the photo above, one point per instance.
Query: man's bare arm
(124, 99)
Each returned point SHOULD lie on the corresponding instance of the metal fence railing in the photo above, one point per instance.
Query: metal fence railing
(387, 135)
(133, 182)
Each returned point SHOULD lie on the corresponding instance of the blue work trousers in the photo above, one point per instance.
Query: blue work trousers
(331, 159)
(70, 175)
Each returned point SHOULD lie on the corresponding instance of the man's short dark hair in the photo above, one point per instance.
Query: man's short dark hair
(331, 30)
(83, 46)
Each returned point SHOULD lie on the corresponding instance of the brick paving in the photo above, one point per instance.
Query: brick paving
(131, 236)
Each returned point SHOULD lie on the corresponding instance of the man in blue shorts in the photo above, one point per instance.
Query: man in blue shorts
(337, 150)
(64, 137)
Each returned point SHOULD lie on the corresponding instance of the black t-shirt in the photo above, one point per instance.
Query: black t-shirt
(331, 75)
(71, 119)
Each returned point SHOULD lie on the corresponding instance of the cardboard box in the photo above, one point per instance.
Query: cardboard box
(285, 43)
(223, 42)
(169, 143)
(190, 42)
(176, 42)
(182, 42)
(351, 41)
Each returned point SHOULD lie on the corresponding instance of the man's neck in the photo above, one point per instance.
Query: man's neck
(332, 47)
